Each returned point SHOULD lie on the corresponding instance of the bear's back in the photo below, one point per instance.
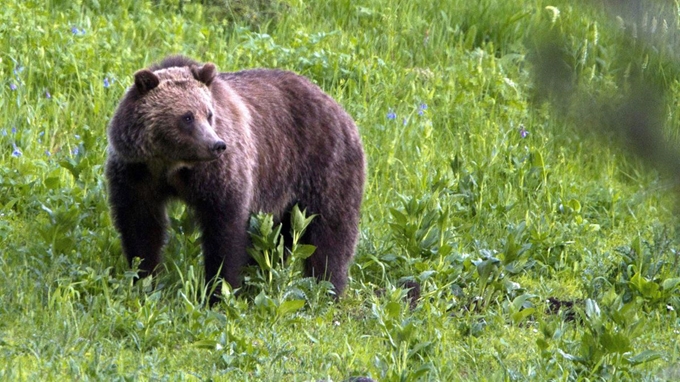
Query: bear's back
(287, 99)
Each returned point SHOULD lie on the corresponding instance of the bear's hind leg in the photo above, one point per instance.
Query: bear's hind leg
(335, 245)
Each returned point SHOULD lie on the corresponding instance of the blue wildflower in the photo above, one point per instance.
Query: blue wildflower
(77, 32)
(391, 115)
(47, 153)
(18, 70)
(14, 129)
(74, 30)
(16, 153)
(106, 82)
(523, 132)
(47, 94)
(76, 150)
(13, 86)
(405, 121)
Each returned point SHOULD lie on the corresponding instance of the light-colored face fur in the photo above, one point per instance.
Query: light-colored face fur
(178, 116)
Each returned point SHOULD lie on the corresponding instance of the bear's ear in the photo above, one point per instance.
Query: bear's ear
(146, 80)
(205, 73)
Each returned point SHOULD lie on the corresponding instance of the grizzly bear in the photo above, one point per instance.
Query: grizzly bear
(230, 145)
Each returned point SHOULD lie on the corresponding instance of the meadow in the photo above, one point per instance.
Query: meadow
(516, 224)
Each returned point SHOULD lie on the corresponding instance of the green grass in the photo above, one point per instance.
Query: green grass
(491, 224)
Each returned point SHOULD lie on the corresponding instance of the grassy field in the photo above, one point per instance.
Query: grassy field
(497, 182)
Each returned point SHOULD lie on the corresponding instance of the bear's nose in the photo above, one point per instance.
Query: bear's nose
(219, 147)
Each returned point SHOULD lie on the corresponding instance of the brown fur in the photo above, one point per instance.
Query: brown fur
(258, 140)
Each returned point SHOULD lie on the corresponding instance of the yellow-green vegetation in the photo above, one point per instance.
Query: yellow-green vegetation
(543, 248)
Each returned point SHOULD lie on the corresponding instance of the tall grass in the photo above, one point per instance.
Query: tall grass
(541, 251)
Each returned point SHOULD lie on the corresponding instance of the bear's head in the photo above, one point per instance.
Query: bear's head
(168, 116)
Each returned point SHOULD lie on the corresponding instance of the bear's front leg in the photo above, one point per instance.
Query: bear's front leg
(138, 215)
(224, 242)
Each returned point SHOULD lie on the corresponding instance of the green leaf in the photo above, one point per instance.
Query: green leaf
(421, 371)
(205, 344)
(518, 317)
(644, 357)
(8, 206)
(511, 286)
(52, 182)
(70, 165)
(267, 223)
(568, 356)
(393, 309)
(290, 306)
(670, 284)
(274, 237)
(648, 289)
(615, 342)
(574, 205)
(426, 275)
(486, 267)
(418, 347)
(303, 251)
(400, 218)
(63, 244)
(521, 301)
(257, 256)
(592, 309)
(263, 302)
(298, 221)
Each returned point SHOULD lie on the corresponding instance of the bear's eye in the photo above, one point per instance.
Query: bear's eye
(210, 115)
(188, 118)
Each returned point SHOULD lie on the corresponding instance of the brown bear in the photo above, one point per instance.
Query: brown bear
(230, 145)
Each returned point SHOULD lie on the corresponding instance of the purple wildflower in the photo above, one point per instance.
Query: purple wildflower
(76, 150)
(391, 115)
(77, 32)
(106, 82)
(523, 132)
(13, 86)
(16, 153)
(47, 94)
(14, 129)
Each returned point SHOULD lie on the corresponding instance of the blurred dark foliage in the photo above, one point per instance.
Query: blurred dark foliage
(257, 14)
(649, 63)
